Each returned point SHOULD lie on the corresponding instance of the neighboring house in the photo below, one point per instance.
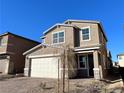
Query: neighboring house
(85, 37)
(120, 60)
(110, 63)
(12, 47)
(115, 64)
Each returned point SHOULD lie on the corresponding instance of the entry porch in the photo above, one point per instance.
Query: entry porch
(89, 64)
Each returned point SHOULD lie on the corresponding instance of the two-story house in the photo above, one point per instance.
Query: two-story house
(85, 37)
(120, 60)
(12, 47)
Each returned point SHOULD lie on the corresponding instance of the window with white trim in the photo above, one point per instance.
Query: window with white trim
(58, 37)
(85, 33)
(83, 61)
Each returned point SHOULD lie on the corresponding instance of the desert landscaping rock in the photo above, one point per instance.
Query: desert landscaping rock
(37, 85)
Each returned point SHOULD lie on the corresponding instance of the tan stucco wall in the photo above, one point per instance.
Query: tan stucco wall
(93, 33)
(44, 51)
(69, 35)
(103, 53)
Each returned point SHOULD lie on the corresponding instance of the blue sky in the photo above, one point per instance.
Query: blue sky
(30, 18)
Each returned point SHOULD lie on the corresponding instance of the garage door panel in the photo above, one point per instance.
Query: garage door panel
(4, 66)
(44, 67)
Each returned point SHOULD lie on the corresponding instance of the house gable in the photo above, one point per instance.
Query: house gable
(68, 35)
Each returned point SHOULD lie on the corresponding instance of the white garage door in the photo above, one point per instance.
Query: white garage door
(4, 63)
(44, 67)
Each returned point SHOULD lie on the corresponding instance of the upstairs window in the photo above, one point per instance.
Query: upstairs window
(85, 33)
(58, 37)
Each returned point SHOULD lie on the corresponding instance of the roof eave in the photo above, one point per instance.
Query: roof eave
(58, 24)
(9, 33)
(85, 21)
(103, 31)
(30, 50)
(120, 54)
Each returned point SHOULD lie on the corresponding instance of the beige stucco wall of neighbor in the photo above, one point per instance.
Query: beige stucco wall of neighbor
(3, 47)
(121, 60)
(69, 36)
(93, 34)
(17, 46)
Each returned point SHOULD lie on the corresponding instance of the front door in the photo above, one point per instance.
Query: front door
(91, 65)
(83, 64)
(86, 64)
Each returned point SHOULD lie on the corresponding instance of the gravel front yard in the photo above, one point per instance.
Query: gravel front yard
(36, 85)
(21, 84)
